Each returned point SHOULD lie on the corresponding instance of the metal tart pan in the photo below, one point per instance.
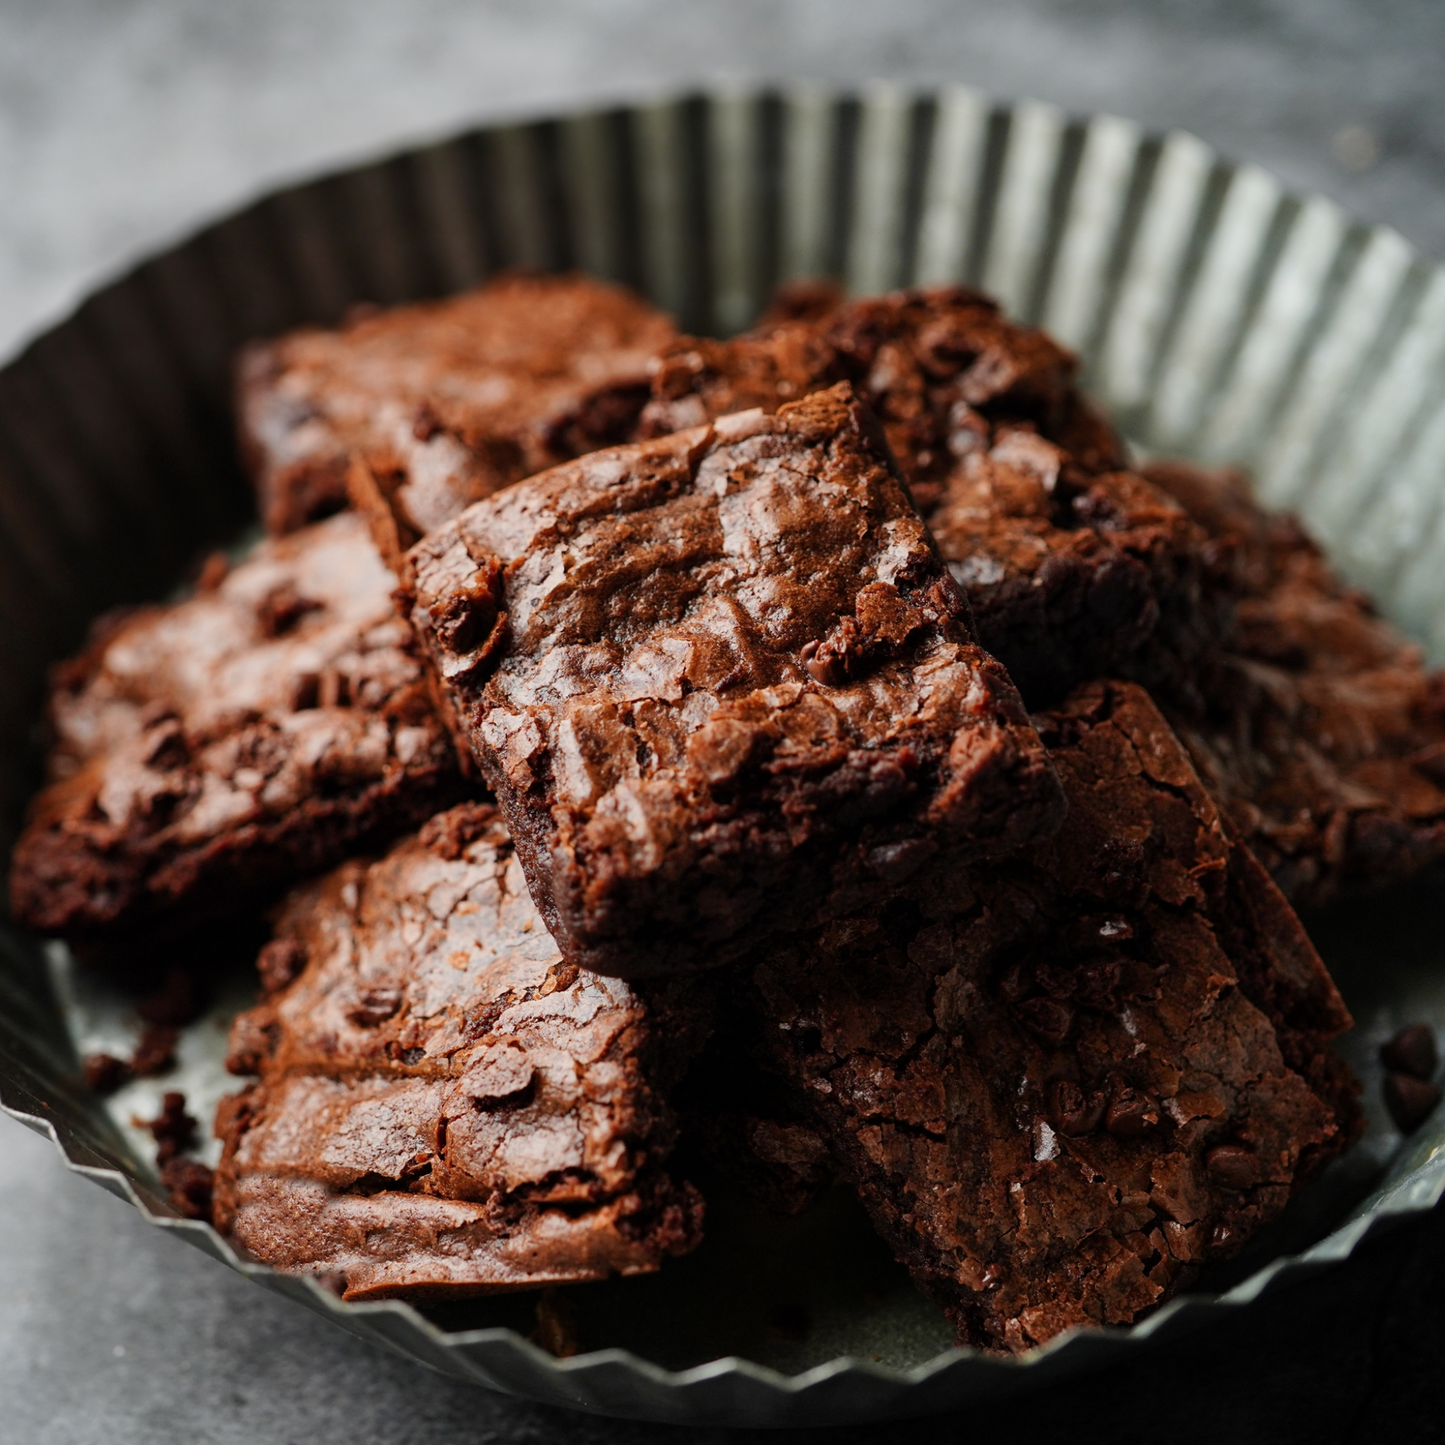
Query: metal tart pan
(1216, 316)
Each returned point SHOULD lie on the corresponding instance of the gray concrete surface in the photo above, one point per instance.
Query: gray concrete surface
(123, 123)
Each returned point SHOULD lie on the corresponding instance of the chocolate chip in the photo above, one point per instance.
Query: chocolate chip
(104, 1073)
(282, 608)
(1410, 1101)
(155, 1054)
(1097, 984)
(1049, 1018)
(827, 669)
(1075, 1113)
(466, 616)
(188, 1182)
(279, 964)
(1130, 1113)
(1412, 1051)
(375, 1006)
(1233, 1166)
(173, 1129)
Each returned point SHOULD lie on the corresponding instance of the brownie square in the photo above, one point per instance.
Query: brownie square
(208, 752)
(1074, 574)
(722, 680)
(448, 400)
(445, 1106)
(1318, 726)
(1074, 566)
(1065, 1081)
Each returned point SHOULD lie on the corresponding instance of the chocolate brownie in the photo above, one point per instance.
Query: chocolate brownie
(1075, 574)
(1319, 729)
(447, 401)
(446, 1106)
(697, 379)
(1075, 567)
(1063, 1082)
(715, 678)
(212, 750)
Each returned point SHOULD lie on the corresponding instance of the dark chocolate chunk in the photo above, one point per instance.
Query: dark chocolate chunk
(188, 1182)
(104, 1073)
(1410, 1100)
(173, 1129)
(1412, 1051)
(155, 1054)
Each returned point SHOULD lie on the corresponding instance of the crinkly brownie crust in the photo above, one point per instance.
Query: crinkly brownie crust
(1317, 725)
(209, 752)
(1074, 566)
(445, 1106)
(718, 677)
(446, 401)
(1063, 1082)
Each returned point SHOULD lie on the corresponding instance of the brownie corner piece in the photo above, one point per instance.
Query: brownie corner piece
(443, 1105)
(718, 676)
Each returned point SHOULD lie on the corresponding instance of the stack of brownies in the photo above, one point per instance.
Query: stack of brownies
(821, 744)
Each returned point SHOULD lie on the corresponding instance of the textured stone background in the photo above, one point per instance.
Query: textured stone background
(124, 123)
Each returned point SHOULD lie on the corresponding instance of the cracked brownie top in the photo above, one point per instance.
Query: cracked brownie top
(445, 1105)
(1317, 725)
(210, 750)
(1075, 567)
(716, 677)
(1064, 1081)
(448, 400)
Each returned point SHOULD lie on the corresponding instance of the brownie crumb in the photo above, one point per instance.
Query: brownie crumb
(1412, 1051)
(174, 1130)
(189, 1184)
(1410, 1101)
(333, 1281)
(174, 1004)
(104, 1073)
(556, 1330)
(155, 1054)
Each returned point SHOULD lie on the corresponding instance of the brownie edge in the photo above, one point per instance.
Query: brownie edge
(722, 685)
